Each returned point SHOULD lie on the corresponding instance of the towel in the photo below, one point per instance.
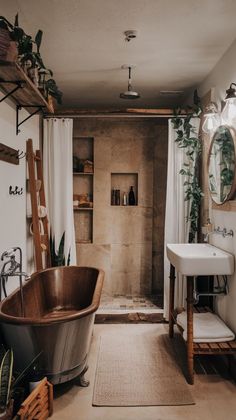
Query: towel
(207, 327)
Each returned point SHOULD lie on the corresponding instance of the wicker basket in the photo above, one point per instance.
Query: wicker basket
(39, 404)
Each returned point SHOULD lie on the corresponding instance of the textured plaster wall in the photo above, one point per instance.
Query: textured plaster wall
(123, 241)
(159, 202)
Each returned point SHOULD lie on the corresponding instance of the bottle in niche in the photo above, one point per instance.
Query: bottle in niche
(131, 197)
(117, 197)
(125, 199)
(113, 197)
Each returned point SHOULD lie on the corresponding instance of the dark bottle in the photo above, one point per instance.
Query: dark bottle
(131, 199)
(117, 197)
(113, 197)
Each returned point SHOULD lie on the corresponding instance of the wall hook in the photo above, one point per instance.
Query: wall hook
(21, 155)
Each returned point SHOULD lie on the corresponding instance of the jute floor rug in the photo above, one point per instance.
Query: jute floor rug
(139, 370)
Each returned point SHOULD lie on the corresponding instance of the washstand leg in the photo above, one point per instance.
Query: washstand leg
(80, 380)
(171, 300)
(190, 353)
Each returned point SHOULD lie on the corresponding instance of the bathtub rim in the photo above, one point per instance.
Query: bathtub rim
(9, 319)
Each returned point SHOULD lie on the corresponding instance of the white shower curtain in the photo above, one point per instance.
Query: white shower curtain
(177, 210)
(58, 180)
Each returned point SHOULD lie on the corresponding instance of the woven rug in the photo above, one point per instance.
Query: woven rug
(139, 370)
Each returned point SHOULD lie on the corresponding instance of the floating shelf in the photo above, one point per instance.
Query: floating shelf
(83, 208)
(26, 95)
(83, 173)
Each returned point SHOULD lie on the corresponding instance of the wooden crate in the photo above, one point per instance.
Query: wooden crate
(39, 404)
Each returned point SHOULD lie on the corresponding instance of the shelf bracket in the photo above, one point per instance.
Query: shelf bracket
(18, 85)
(39, 108)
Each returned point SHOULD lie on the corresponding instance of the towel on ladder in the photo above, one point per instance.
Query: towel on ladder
(207, 327)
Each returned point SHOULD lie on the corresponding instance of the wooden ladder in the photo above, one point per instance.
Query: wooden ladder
(41, 240)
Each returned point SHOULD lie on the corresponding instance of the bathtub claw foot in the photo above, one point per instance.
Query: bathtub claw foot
(80, 380)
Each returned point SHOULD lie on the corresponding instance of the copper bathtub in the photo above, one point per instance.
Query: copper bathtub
(60, 305)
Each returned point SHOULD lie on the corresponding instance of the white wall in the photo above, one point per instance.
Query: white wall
(13, 208)
(220, 78)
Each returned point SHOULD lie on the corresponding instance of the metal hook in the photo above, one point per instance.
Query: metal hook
(21, 154)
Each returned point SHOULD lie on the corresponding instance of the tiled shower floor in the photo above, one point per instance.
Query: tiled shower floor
(124, 304)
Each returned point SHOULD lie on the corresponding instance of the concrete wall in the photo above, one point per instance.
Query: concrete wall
(123, 236)
(159, 203)
(219, 79)
(13, 230)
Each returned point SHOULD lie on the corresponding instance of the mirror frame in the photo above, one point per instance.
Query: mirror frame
(233, 185)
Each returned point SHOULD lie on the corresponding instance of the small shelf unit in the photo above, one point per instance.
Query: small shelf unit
(83, 185)
(209, 348)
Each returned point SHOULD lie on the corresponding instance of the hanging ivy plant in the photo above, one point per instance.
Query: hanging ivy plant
(187, 138)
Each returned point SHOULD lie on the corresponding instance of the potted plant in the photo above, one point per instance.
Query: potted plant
(58, 257)
(10, 390)
(52, 90)
(6, 368)
(8, 45)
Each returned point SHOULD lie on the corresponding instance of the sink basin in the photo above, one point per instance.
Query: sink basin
(200, 259)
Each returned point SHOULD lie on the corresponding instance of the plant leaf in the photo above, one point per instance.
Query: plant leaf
(38, 39)
(6, 378)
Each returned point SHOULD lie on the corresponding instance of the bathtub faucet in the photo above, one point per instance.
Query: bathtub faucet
(12, 268)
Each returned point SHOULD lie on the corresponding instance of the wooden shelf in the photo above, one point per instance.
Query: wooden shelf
(28, 94)
(223, 347)
(83, 208)
(83, 173)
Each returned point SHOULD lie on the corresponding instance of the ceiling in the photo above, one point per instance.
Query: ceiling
(178, 43)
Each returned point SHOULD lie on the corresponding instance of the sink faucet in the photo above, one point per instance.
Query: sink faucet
(12, 268)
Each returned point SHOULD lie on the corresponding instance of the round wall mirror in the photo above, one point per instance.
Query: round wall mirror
(221, 165)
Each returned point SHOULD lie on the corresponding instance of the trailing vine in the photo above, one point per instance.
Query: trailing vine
(188, 139)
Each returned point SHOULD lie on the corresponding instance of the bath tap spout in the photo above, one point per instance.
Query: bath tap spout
(9, 253)
(12, 268)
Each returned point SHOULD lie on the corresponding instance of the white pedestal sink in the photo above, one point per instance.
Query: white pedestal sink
(200, 259)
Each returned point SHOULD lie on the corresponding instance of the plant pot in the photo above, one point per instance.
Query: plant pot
(7, 415)
(34, 75)
(51, 102)
(4, 43)
(12, 52)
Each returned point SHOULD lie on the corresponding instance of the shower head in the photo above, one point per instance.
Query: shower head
(130, 93)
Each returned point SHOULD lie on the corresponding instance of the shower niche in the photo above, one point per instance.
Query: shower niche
(83, 187)
(122, 182)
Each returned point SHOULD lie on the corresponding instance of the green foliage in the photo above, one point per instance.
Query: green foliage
(9, 386)
(58, 257)
(52, 89)
(6, 369)
(188, 139)
(27, 55)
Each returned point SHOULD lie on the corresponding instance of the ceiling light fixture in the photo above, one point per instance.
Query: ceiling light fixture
(212, 118)
(131, 34)
(229, 111)
(130, 93)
